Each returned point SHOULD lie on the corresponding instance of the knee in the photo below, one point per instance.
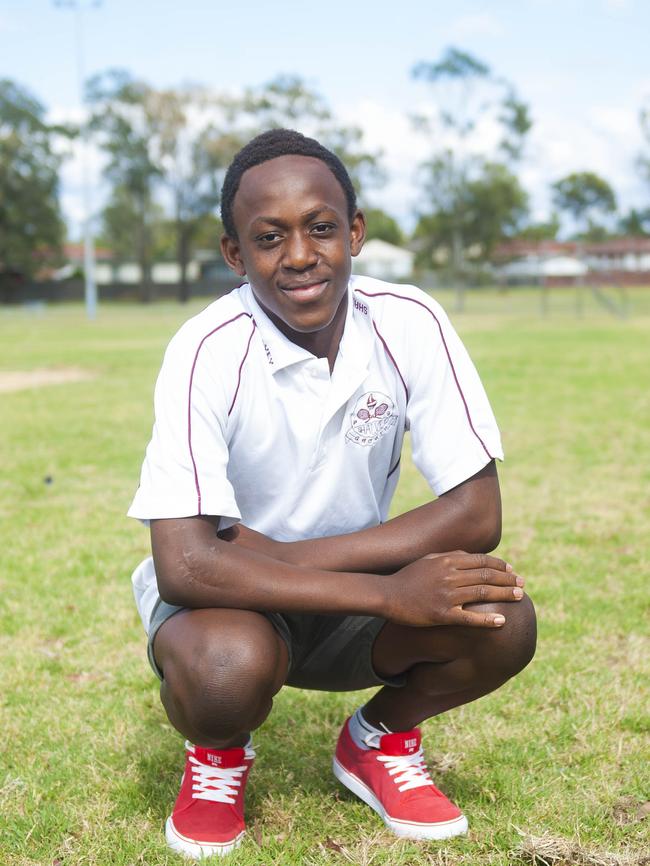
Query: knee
(226, 680)
(507, 650)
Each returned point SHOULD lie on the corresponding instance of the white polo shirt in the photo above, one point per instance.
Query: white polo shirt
(251, 427)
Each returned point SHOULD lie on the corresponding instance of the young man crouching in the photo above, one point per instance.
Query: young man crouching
(280, 416)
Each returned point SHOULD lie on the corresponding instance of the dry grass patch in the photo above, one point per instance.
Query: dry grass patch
(20, 380)
(548, 850)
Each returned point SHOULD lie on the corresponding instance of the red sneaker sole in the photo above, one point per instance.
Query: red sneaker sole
(408, 829)
(198, 850)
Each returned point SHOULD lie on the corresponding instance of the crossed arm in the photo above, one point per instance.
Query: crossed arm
(396, 570)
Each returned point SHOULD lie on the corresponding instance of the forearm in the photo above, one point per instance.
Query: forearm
(197, 569)
(468, 518)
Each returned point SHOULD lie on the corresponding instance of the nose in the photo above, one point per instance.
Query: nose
(299, 253)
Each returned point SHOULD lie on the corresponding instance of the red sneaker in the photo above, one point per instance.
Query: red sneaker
(394, 781)
(208, 816)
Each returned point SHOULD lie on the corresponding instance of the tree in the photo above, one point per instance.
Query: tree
(635, 222)
(460, 177)
(587, 198)
(287, 101)
(643, 161)
(178, 143)
(383, 226)
(31, 226)
(498, 206)
(541, 231)
(122, 119)
(193, 152)
(487, 208)
(120, 224)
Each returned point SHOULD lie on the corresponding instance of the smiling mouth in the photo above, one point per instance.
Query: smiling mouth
(305, 291)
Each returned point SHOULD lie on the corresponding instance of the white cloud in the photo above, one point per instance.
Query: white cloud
(73, 172)
(605, 139)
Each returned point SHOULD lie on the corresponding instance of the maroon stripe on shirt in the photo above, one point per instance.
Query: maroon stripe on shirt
(240, 368)
(444, 343)
(189, 400)
(390, 355)
(399, 460)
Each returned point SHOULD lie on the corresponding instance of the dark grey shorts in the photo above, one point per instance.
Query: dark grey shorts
(332, 653)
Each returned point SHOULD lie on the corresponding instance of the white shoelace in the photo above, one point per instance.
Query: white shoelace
(411, 769)
(218, 784)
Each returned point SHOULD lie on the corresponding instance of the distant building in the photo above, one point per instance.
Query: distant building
(631, 255)
(617, 261)
(384, 261)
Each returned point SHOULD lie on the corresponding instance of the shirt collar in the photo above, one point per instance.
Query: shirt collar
(280, 351)
(354, 349)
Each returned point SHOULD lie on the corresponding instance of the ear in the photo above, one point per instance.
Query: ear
(231, 252)
(357, 233)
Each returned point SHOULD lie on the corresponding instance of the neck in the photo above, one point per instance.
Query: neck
(323, 343)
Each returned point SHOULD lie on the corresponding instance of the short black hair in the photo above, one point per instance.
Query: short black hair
(269, 145)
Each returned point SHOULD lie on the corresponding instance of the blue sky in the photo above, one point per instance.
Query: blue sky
(583, 66)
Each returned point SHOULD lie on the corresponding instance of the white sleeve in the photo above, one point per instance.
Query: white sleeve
(185, 468)
(453, 431)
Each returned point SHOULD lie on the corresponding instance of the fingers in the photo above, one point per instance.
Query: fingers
(469, 569)
(487, 577)
(461, 559)
(486, 593)
(476, 619)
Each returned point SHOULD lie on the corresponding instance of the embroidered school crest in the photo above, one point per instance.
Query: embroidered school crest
(373, 416)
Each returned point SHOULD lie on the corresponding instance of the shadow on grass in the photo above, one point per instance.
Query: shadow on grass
(292, 784)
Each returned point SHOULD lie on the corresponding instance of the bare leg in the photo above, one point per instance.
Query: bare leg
(448, 666)
(221, 670)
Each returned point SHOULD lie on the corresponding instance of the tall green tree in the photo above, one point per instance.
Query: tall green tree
(175, 145)
(31, 225)
(194, 146)
(587, 199)
(470, 198)
(123, 123)
(493, 205)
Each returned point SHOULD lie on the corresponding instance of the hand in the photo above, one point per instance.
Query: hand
(433, 590)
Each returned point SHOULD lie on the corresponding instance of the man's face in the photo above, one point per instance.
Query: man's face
(294, 245)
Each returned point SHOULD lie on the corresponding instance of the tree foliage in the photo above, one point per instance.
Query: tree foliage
(192, 153)
(587, 198)
(175, 145)
(123, 123)
(288, 101)
(484, 208)
(31, 226)
(541, 231)
(636, 222)
(643, 161)
(383, 226)
(470, 197)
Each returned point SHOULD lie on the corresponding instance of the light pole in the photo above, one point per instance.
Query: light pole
(90, 288)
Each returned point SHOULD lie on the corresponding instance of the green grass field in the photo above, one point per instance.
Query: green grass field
(552, 769)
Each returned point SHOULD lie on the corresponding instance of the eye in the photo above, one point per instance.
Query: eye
(323, 228)
(268, 238)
